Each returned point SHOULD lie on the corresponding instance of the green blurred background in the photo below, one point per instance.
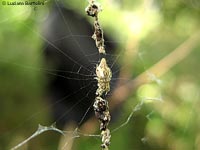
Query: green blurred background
(147, 31)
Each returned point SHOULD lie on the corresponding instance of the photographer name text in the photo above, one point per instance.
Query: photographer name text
(15, 3)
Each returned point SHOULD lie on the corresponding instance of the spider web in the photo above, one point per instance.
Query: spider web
(75, 74)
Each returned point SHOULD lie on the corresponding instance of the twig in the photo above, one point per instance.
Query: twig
(121, 93)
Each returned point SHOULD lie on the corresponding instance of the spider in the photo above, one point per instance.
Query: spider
(103, 77)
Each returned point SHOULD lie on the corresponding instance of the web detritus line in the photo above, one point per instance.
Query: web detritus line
(103, 77)
(92, 10)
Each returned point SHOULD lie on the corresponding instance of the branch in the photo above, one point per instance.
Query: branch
(121, 93)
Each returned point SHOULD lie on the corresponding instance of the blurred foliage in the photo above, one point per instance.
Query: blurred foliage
(154, 27)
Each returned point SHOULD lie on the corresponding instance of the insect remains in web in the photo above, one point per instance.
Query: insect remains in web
(98, 37)
(92, 10)
(103, 76)
(102, 112)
